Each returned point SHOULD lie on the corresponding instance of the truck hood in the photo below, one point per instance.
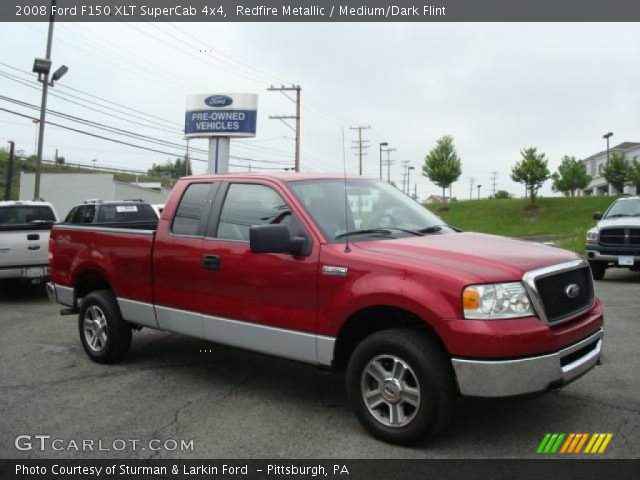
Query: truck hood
(481, 257)
(619, 222)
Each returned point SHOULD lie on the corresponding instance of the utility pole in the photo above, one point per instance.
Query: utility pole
(7, 187)
(186, 160)
(494, 177)
(282, 89)
(415, 192)
(471, 182)
(382, 144)
(389, 162)
(361, 145)
(405, 165)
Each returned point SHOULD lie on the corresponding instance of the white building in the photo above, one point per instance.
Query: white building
(66, 190)
(595, 164)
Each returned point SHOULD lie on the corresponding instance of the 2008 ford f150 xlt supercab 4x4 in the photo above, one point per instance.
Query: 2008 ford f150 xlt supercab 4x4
(339, 273)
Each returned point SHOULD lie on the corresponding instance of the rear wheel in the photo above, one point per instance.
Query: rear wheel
(598, 269)
(105, 336)
(401, 386)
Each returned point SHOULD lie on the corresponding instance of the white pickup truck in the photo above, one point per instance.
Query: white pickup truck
(24, 239)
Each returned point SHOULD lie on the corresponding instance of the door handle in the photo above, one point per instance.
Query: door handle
(211, 262)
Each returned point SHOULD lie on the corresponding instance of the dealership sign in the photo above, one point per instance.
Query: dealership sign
(221, 115)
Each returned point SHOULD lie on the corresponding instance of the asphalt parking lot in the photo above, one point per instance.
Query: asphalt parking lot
(235, 404)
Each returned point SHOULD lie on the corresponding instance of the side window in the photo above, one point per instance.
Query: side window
(78, 215)
(193, 204)
(89, 214)
(69, 216)
(250, 204)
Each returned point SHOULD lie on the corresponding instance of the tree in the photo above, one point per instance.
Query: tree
(571, 176)
(442, 165)
(616, 172)
(502, 195)
(634, 175)
(171, 169)
(532, 171)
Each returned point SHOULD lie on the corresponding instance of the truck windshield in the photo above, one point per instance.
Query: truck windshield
(624, 208)
(26, 215)
(374, 210)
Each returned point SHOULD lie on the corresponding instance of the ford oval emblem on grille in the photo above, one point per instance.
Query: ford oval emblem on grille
(218, 101)
(572, 291)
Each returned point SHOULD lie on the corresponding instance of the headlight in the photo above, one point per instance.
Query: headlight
(495, 301)
(592, 236)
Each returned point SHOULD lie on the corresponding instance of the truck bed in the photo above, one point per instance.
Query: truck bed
(121, 253)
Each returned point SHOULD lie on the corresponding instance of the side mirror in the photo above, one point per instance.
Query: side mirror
(274, 238)
(597, 216)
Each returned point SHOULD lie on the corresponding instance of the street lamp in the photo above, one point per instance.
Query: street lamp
(382, 144)
(479, 187)
(607, 136)
(42, 66)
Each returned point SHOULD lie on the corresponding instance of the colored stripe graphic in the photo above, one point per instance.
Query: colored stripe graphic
(598, 442)
(573, 443)
(550, 443)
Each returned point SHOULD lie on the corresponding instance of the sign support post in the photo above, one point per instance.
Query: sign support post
(218, 155)
(219, 117)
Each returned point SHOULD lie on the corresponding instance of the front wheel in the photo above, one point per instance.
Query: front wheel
(401, 386)
(105, 336)
(598, 269)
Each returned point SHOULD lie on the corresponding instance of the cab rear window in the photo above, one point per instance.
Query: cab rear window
(140, 212)
(25, 215)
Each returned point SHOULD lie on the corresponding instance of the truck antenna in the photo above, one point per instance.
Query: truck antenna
(347, 249)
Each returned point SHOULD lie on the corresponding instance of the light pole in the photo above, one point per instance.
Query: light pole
(607, 136)
(479, 187)
(42, 66)
(382, 144)
(94, 163)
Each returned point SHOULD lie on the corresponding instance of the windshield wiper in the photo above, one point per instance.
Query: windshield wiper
(618, 215)
(433, 229)
(382, 231)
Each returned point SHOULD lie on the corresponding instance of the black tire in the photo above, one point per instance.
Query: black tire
(598, 269)
(102, 315)
(434, 379)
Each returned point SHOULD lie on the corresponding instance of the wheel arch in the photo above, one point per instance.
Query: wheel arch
(369, 320)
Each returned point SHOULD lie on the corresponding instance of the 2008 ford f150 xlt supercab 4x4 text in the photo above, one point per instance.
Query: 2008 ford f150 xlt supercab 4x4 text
(339, 273)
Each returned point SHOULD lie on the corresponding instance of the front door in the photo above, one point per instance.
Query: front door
(265, 302)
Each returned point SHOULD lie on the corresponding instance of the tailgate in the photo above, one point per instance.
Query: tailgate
(20, 248)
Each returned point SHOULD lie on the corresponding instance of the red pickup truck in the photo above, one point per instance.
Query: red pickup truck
(343, 274)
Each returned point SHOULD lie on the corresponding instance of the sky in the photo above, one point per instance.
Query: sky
(495, 87)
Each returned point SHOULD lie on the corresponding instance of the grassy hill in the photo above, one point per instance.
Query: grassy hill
(567, 219)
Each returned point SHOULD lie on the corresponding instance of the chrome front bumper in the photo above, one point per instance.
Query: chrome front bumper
(505, 378)
(60, 294)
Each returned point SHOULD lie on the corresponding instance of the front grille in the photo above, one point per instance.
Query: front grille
(620, 236)
(612, 236)
(552, 290)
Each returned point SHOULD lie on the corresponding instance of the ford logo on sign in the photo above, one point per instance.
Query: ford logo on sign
(218, 101)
